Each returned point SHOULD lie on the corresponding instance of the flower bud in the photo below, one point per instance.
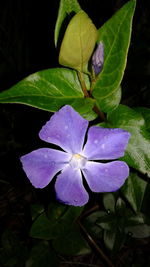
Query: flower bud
(78, 42)
(98, 58)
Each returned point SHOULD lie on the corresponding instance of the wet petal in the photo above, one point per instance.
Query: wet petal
(41, 165)
(103, 143)
(67, 129)
(69, 187)
(105, 177)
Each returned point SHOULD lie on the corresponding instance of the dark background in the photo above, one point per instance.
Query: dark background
(27, 46)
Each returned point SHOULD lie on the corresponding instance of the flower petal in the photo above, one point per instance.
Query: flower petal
(41, 165)
(103, 143)
(98, 58)
(69, 187)
(105, 177)
(67, 129)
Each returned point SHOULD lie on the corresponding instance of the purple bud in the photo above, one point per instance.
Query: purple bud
(98, 58)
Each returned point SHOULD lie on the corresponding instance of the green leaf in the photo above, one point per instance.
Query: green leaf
(139, 231)
(137, 152)
(114, 240)
(109, 202)
(49, 90)
(108, 222)
(90, 224)
(66, 7)
(42, 228)
(134, 190)
(115, 34)
(57, 222)
(78, 42)
(42, 255)
(120, 207)
(72, 243)
(36, 210)
(135, 219)
(145, 112)
(109, 239)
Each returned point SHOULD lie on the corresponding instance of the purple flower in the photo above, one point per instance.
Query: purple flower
(98, 58)
(67, 129)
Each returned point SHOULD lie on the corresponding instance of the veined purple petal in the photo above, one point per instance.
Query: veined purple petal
(41, 165)
(67, 129)
(98, 58)
(103, 143)
(69, 187)
(105, 177)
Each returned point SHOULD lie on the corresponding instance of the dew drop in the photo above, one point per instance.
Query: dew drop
(108, 211)
(103, 146)
(52, 163)
(66, 127)
(95, 141)
(130, 234)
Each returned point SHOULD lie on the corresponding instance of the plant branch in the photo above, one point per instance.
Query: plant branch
(100, 113)
(89, 95)
(97, 248)
(83, 85)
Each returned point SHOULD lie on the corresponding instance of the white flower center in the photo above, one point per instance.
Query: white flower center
(77, 161)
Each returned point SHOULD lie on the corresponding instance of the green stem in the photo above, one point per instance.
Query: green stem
(83, 85)
(89, 95)
(100, 113)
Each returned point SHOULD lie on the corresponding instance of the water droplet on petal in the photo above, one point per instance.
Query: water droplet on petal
(103, 146)
(52, 163)
(66, 127)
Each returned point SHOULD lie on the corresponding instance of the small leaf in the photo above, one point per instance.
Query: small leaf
(36, 210)
(120, 207)
(108, 222)
(43, 229)
(78, 42)
(134, 190)
(57, 224)
(109, 239)
(145, 112)
(137, 152)
(49, 90)
(72, 243)
(114, 240)
(66, 7)
(90, 223)
(109, 202)
(139, 231)
(135, 219)
(115, 34)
